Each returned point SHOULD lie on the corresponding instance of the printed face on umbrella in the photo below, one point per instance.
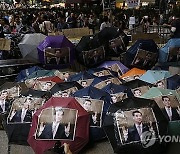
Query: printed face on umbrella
(66, 93)
(133, 77)
(161, 84)
(23, 109)
(44, 85)
(57, 56)
(138, 92)
(85, 83)
(170, 106)
(102, 73)
(118, 97)
(94, 108)
(131, 124)
(108, 81)
(116, 42)
(57, 123)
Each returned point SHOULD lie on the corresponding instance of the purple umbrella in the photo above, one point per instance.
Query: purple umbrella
(55, 42)
(115, 66)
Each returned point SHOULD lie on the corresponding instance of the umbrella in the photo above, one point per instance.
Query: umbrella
(153, 76)
(119, 126)
(51, 78)
(86, 43)
(114, 40)
(82, 126)
(70, 86)
(25, 73)
(164, 51)
(140, 51)
(94, 93)
(115, 66)
(55, 42)
(28, 45)
(41, 73)
(173, 82)
(132, 74)
(81, 76)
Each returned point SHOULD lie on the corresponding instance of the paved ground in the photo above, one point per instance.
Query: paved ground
(102, 147)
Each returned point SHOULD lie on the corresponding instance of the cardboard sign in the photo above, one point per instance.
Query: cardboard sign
(5, 44)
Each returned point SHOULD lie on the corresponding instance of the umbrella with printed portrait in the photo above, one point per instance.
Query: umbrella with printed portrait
(51, 78)
(19, 118)
(121, 121)
(132, 74)
(68, 88)
(115, 66)
(25, 73)
(81, 131)
(94, 93)
(81, 76)
(144, 45)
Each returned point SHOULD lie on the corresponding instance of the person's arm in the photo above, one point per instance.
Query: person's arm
(41, 129)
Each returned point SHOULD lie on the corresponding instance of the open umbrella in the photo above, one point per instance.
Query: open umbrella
(119, 125)
(81, 76)
(94, 93)
(81, 133)
(142, 54)
(170, 47)
(28, 45)
(25, 73)
(115, 66)
(70, 87)
(132, 74)
(173, 82)
(55, 42)
(51, 78)
(153, 76)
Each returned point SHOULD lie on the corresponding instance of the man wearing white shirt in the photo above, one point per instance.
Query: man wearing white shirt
(135, 132)
(3, 103)
(171, 113)
(55, 130)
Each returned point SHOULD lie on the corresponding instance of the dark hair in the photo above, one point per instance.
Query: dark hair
(88, 101)
(164, 97)
(59, 110)
(105, 19)
(137, 90)
(133, 113)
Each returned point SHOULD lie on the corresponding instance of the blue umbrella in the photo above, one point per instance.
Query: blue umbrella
(152, 76)
(81, 76)
(94, 93)
(173, 82)
(163, 52)
(25, 73)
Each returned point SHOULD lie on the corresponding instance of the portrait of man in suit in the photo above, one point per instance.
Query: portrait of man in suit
(95, 117)
(4, 104)
(116, 45)
(56, 129)
(160, 84)
(171, 113)
(137, 92)
(84, 83)
(22, 115)
(135, 132)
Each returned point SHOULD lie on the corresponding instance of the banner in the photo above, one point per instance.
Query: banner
(5, 44)
(133, 3)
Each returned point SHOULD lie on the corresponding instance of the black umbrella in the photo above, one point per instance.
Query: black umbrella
(121, 121)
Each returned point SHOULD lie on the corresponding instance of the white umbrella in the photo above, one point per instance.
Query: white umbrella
(28, 45)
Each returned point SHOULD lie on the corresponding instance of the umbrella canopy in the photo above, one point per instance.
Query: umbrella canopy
(81, 76)
(140, 51)
(132, 74)
(51, 78)
(173, 82)
(153, 76)
(115, 66)
(155, 92)
(114, 40)
(81, 131)
(55, 42)
(119, 125)
(25, 73)
(94, 93)
(164, 51)
(41, 73)
(28, 45)
(70, 86)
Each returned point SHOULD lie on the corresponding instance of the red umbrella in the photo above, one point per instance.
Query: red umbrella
(51, 78)
(82, 126)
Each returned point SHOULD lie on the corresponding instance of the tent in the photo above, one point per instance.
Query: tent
(28, 45)
(164, 51)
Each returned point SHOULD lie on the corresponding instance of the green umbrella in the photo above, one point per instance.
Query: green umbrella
(155, 92)
(174, 126)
